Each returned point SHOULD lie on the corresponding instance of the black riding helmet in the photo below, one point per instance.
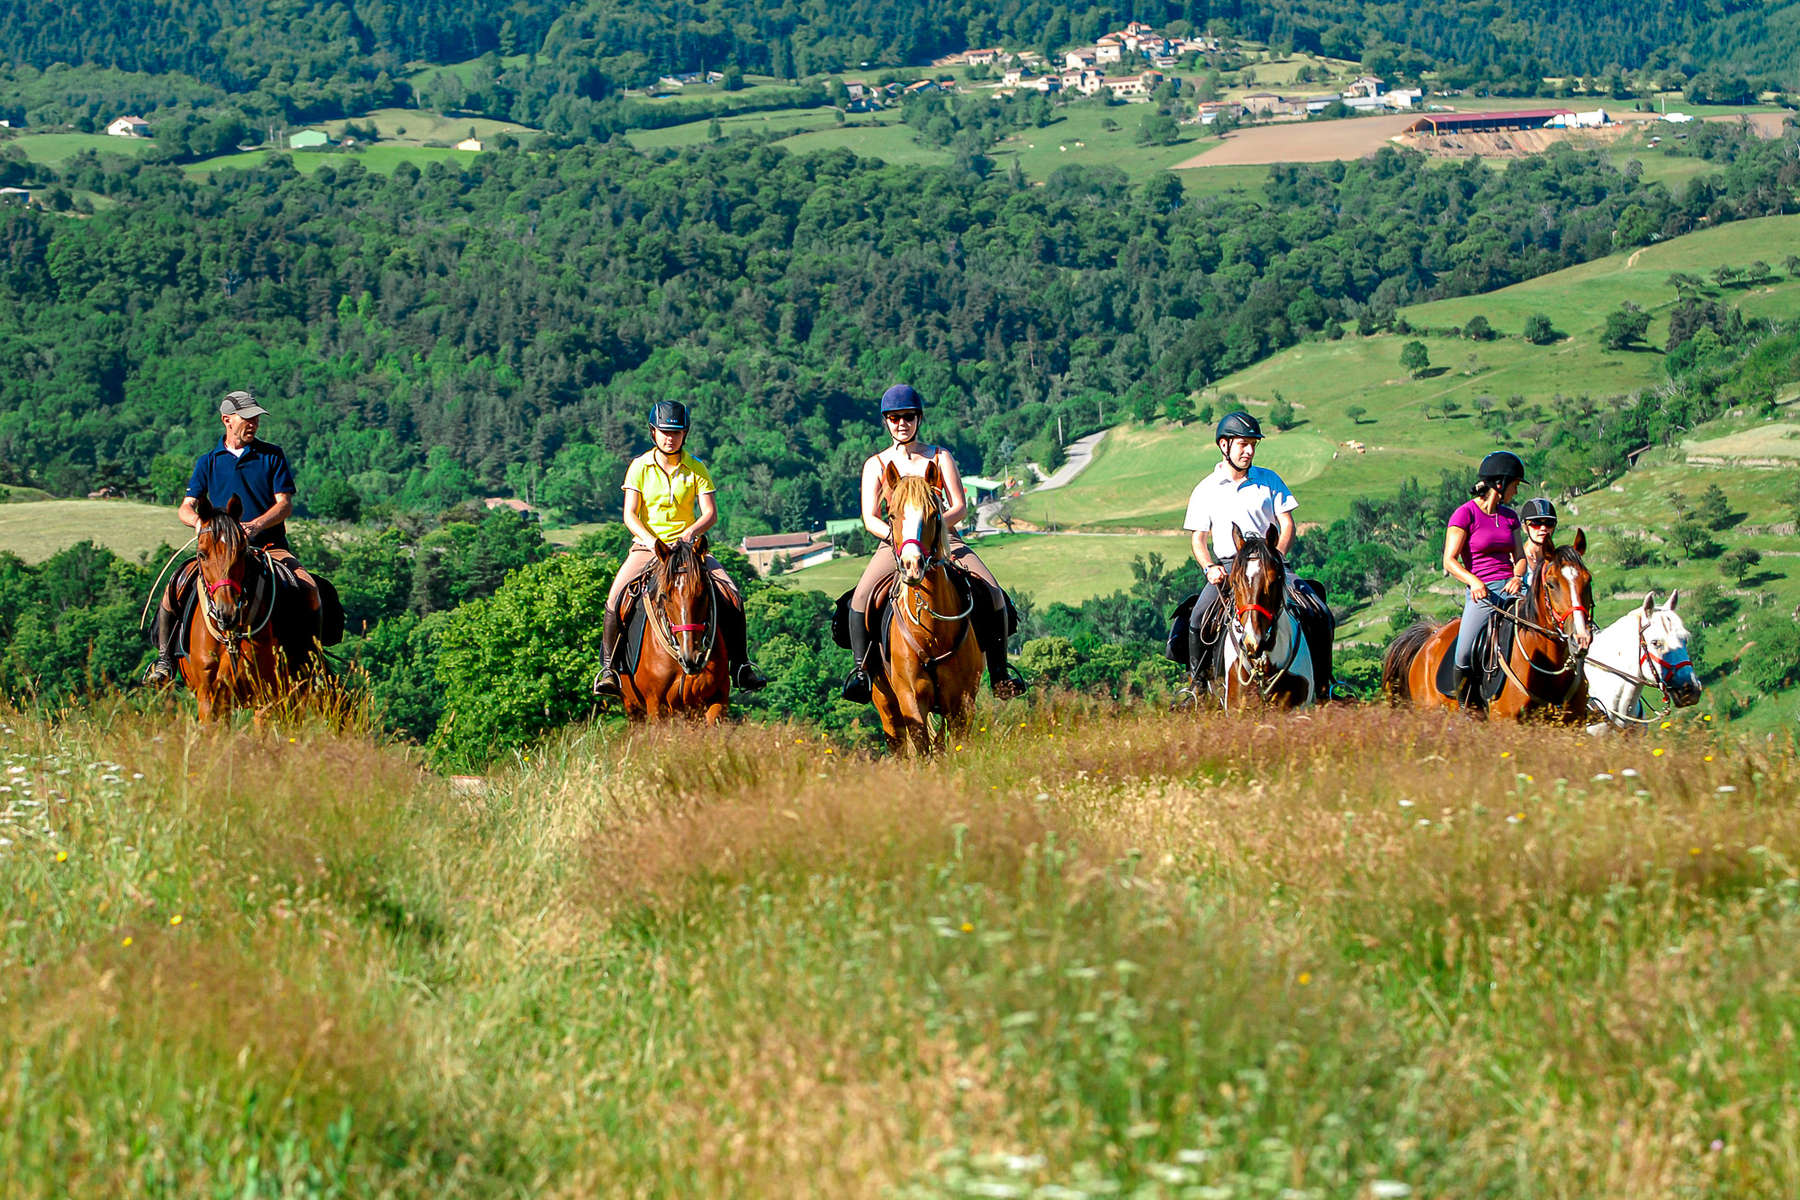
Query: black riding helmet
(670, 416)
(1501, 464)
(1237, 425)
(902, 397)
(1537, 509)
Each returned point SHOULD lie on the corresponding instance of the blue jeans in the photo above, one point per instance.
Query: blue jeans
(1476, 616)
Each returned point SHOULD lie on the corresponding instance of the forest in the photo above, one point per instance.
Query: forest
(431, 336)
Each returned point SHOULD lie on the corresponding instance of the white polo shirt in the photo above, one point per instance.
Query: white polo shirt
(1251, 504)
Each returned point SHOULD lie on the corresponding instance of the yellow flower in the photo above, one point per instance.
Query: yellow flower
(126, 942)
(1304, 978)
(829, 750)
(1707, 717)
(175, 920)
(1708, 758)
(62, 856)
(959, 745)
(1506, 754)
(1695, 851)
(1666, 724)
(290, 741)
(968, 928)
(1657, 753)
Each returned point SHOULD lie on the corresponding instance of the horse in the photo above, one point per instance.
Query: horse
(1544, 669)
(238, 652)
(1647, 647)
(933, 663)
(1266, 656)
(682, 668)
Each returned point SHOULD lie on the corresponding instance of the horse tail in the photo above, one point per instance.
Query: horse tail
(1397, 660)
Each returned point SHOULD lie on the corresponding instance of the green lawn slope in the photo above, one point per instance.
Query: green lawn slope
(36, 529)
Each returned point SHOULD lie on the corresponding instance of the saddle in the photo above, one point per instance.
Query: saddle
(1307, 604)
(636, 618)
(1492, 647)
(288, 589)
(879, 618)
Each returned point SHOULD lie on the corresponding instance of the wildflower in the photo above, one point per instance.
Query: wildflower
(1725, 789)
(1657, 753)
(1667, 724)
(290, 741)
(968, 928)
(1406, 804)
(959, 745)
(1708, 717)
(1708, 758)
(828, 750)
(1694, 852)
(1506, 754)
(1303, 978)
(126, 942)
(62, 856)
(175, 920)
(1603, 776)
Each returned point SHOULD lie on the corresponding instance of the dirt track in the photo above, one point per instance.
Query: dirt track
(1302, 141)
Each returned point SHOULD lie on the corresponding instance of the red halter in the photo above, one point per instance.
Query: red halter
(1257, 608)
(686, 628)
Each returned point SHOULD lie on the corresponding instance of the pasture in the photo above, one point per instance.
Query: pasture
(1080, 136)
(36, 529)
(411, 125)
(1063, 569)
(379, 158)
(54, 149)
(1101, 951)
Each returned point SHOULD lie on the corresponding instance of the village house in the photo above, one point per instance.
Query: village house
(1261, 104)
(129, 127)
(983, 58)
(308, 139)
(1403, 97)
(856, 89)
(1044, 83)
(1364, 85)
(15, 195)
(797, 549)
(1081, 60)
(510, 504)
(921, 88)
(1133, 86)
(1108, 52)
(469, 144)
(1212, 110)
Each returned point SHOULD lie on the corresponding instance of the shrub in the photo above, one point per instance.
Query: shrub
(1538, 330)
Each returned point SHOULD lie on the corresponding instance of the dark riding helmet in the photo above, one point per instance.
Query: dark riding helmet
(1537, 509)
(1236, 425)
(901, 398)
(1501, 464)
(669, 416)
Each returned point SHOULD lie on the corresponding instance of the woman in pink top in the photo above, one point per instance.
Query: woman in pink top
(1483, 541)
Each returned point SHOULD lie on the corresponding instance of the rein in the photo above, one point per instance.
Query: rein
(665, 632)
(234, 639)
(1659, 679)
(1572, 664)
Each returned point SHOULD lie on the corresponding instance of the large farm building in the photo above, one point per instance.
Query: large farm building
(1487, 122)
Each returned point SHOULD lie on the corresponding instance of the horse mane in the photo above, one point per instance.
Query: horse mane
(682, 557)
(226, 531)
(914, 490)
(1260, 547)
(1561, 556)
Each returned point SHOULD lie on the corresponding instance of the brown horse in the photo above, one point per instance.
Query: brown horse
(682, 668)
(933, 663)
(1266, 656)
(1544, 671)
(235, 655)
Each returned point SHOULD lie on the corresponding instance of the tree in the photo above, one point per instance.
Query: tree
(1478, 329)
(1715, 509)
(1158, 129)
(1281, 413)
(1625, 326)
(1738, 563)
(1356, 413)
(1695, 540)
(1538, 330)
(1415, 358)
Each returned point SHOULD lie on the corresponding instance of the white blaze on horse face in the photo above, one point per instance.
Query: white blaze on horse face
(1582, 633)
(1252, 640)
(912, 524)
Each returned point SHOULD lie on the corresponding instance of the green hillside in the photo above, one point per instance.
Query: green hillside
(37, 529)
(1142, 476)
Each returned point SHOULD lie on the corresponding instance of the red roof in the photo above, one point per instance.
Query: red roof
(780, 541)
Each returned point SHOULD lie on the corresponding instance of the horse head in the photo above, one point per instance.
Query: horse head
(1566, 593)
(917, 532)
(1258, 583)
(224, 553)
(682, 596)
(1663, 654)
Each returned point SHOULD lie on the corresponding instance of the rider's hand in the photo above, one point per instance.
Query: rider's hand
(1479, 590)
(1512, 586)
(1215, 574)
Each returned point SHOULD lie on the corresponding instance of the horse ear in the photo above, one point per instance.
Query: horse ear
(1274, 535)
(1649, 603)
(203, 507)
(933, 476)
(1580, 542)
(1673, 597)
(890, 475)
(234, 508)
(1237, 537)
(662, 549)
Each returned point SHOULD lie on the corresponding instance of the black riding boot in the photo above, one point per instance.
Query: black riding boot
(606, 683)
(733, 628)
(162, 671)
(1467, 690)
(1001, 680)
(856, 687)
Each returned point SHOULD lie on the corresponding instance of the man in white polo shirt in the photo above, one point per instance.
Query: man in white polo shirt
(1254, 500)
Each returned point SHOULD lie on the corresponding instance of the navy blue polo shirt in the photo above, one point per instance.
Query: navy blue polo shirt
(254, 477)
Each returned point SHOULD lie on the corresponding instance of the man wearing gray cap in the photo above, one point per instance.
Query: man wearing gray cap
(257, 474)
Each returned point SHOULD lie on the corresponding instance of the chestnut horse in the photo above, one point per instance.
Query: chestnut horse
(1267, 659)
(234, 654)
(933, 663)
(682, 667)
(1544, 671)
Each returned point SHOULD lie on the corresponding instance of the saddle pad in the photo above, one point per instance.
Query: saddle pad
(635, 620)
(1486, 658)
(1176, 648)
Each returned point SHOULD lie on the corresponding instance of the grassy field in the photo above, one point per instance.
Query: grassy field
(1080, 137)
(1098, 952)
(1048, 569)
(57, 148)
(411, 125)
(381, 159)
(36, 530)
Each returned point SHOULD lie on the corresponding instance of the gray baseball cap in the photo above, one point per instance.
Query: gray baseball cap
(240, 404)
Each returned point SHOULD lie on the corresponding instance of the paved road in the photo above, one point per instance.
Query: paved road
(1079, 454)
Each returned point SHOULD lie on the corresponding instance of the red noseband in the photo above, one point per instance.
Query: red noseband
(686, 628)
(1256, 608)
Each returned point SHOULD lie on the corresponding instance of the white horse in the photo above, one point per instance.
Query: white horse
(1647, 647)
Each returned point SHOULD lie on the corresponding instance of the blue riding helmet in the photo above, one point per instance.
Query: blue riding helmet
(901, 398)
(1501, 464)
(671, 416)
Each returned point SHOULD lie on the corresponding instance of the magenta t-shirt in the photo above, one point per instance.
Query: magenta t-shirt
(1489, 551)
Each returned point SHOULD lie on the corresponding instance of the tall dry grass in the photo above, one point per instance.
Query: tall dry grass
(1100, 948)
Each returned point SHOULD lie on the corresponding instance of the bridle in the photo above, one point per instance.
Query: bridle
(666, 630)
(1258, 671)
(913, 602)
(1575, 658)
(232, 634)
(1661, 670)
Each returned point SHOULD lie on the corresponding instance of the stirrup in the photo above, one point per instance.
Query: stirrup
(748, 679)
(606, 683)
(856, 688)
(160, 674)
(1009, 688)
